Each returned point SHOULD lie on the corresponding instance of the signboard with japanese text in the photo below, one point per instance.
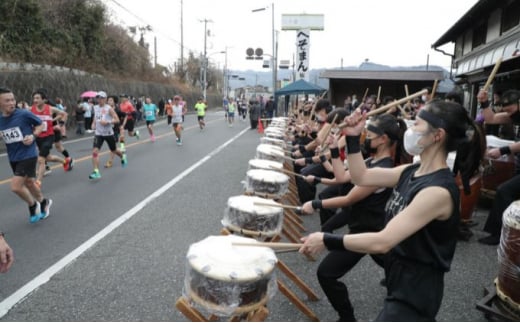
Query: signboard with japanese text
(302, 53)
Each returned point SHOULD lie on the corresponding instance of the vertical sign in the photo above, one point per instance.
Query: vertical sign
(302, 50)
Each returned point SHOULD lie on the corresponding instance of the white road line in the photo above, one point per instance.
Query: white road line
(45, 276)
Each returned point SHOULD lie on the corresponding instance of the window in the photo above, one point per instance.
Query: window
(479, 35)
(510, 16)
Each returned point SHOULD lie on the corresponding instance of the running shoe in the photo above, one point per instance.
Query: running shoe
(152, 138)
(68, 163)
(124, 161)
(108, 164)
(179, 142)
(48, 170)
(45, 208)
(137, 134)
(95, 175)
(34, 212)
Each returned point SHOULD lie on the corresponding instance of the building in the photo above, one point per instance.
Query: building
(488, 31)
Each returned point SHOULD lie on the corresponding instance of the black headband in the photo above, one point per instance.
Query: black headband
(380, 132)
(432, 119)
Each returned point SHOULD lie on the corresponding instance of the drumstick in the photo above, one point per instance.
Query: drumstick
(378, 94)
(365, 95)
(434, 89)
(274, 204)
(493, 73)
(283, 170)
(272, 245)
(323, 144)
(389, 105)
(407, 93)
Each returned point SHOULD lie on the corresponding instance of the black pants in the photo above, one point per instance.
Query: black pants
(506, 193)
(329, 218)
(306, 191)
(334, 266)
(414, 291)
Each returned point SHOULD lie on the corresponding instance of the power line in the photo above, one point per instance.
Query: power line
(158, 31)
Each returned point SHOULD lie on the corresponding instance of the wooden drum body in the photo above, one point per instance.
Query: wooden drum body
(266, 182)
(242, 215)
(497, 171)
(227, 280)
(508, 282)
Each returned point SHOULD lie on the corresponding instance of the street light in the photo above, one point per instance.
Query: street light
(205, 71)
(273, 57)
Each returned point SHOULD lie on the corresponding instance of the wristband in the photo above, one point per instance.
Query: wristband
(333, 241)
(317, 180)
(334, 152)
(302, 149)
(505, 150)
(323, 158)
(308, 160)
(317, 204)
(353, 146)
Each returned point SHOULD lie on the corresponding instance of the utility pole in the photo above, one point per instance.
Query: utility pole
(205, 59)
(182, 39)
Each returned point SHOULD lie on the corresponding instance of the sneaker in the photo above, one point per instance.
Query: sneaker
(45, 208)
(137, 134)
(152, 138)
(124, 161)
(491, 240)
(68, 164)
(108, 164)
(179, 142)
(95, 175)
(34, 212)
(47, 170)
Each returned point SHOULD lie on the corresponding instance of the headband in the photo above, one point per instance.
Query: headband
(432, 119)
(380, 132)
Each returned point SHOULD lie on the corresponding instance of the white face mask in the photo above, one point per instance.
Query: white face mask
(424, 98)
(411, 142)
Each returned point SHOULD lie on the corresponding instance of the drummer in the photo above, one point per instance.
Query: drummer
(422, 214)
(363, 209)
(508, 191)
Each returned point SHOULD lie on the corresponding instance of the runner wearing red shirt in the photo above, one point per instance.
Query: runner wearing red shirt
(126, 107)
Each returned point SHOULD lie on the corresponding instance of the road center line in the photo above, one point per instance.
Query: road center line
(45, 276)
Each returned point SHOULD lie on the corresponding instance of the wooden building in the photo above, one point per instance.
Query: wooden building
(488, 31)
(343, 83)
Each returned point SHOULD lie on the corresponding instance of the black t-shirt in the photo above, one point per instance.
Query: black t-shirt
(368, 215)
(434, 244)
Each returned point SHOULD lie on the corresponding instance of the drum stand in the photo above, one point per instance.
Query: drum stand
(183, 305)
(495, 309)
(284, 289)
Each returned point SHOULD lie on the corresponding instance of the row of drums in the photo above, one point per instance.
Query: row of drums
(227, 275)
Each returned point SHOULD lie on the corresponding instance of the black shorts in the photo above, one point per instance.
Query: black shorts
(149, 122)
(99, 140)
(26, 167)
(130, 125)
(57, 135)
(45, 145)
(200, 118)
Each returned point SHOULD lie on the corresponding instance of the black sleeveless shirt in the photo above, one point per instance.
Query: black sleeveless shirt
(368, 215)
(434, 244)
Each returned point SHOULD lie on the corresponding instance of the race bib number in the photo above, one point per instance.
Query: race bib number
(44, 126)
(12, 135)
(149, 113)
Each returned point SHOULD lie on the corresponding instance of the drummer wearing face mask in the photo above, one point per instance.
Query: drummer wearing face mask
(508, 191)
(422, 214)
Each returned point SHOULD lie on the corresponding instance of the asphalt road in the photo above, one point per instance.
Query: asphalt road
(114, 249)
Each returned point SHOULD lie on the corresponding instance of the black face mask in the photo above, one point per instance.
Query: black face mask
(367, 146)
